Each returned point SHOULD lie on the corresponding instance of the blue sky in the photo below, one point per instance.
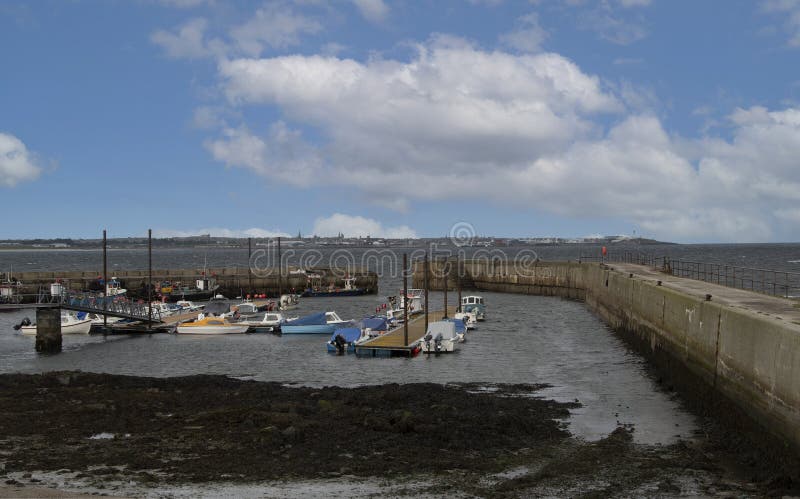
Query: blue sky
(677, 120)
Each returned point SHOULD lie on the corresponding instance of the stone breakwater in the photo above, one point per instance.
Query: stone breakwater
(734, 349)
(233, 281)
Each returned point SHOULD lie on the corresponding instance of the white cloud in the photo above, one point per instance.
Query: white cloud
(528, 36)
(789, 10)
(634, 3)
(457, 122)
(373, 10)
(357, 226)
(220, 232)
(17, 163)
(186, 42)
(281, 154)
(275, 26)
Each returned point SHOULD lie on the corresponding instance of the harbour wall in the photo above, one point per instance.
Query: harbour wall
(233, 281)
(727, 357)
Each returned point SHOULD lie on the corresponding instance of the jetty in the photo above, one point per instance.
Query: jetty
(393, 343)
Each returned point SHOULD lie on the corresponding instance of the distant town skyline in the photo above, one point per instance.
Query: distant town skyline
(676, 121)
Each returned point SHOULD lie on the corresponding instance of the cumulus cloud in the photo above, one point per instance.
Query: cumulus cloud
(358, 226)
(17, 163)
(220, 232)
(185, 41)
(372, 10)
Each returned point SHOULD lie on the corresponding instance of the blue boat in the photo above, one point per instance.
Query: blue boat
(319, 323)
(461, 328)
(344, 340)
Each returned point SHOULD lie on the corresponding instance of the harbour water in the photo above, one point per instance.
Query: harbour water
(526, 339)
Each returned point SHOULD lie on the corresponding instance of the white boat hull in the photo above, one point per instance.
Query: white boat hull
(447, 346)
(78, 327)
(232, 329)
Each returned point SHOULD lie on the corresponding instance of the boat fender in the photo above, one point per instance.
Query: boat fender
(24, 322)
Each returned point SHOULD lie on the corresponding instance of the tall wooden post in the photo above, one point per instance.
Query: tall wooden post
(425, 284)
(149, 278)
(446, 272)
(105, 280)
(458, 283)
(280, 270)
(249, 265)
(405, 299)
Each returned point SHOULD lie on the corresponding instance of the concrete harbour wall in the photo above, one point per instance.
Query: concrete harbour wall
(232, 281)
(744, 355)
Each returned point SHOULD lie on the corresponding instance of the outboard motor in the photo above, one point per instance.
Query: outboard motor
(438, 343)
(24, 322)
(428, 339)
(339, 342)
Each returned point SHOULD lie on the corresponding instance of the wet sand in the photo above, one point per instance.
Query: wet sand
(123, 435)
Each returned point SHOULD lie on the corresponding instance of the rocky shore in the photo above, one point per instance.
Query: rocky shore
(100, 431)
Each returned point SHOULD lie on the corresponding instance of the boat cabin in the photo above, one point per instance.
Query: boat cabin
(472, 300)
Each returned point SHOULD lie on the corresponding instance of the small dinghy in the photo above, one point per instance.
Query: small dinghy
(344, 340)
(441, 337)
(211, 325)
(71, 323)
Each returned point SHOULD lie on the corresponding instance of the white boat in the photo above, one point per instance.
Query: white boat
(474, 304)
(160, 310)
(188, 306)
(10, 290)
(441, 337)
(211, 325)
(70, 324)
(271, 321)
(470, 318)
(289, 302)
(416, 305)
(113, 288)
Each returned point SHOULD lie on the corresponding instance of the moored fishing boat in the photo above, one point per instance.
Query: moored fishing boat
(204, 288)
(350, 289)
(71, 323)
(474, 304)
(211, 325)
(415, 305)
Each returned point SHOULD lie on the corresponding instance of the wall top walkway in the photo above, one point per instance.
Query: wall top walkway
(780, 309)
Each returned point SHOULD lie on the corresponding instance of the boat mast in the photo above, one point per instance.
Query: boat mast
(280, 270)
(458, 283)
(425, 281)
(405, 299)
(446, 271)
(105, 280)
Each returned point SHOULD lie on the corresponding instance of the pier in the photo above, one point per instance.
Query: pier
(393, 343)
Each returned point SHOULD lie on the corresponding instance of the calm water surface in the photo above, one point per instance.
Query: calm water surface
(526, 339)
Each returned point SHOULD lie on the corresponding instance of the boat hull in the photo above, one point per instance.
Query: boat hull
(212, 330)
(80, 327)
(310, 329)
(447, 346)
